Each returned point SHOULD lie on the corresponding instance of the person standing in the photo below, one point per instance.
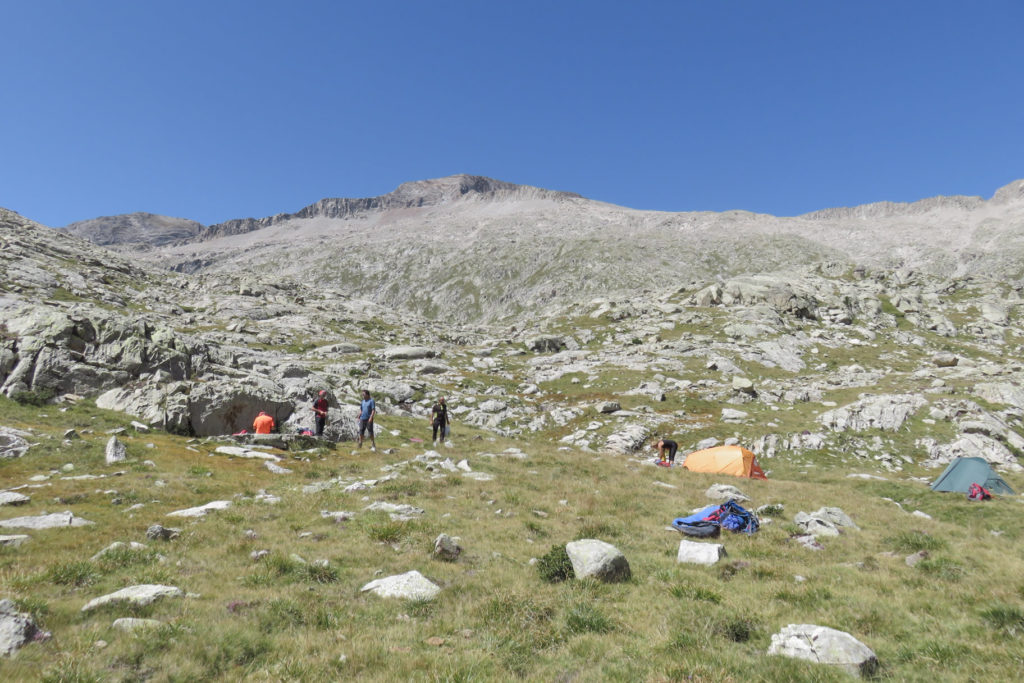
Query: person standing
(439, 419)
(320, 407)
(263, 424)
(367, 411)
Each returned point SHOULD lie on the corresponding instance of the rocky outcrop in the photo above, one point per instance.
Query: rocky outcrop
(873, 412)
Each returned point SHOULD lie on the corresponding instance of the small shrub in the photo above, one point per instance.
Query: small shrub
(1004, 618)
(914, 541)
(585, 618)
(280, 615)
(555, 566)
(124, 557)
(70, 671)
(385, 531)
(234, 649)
(33, 397)
(536, 529)
(319, 573)
(199, 471)
(683, 591)
(37, 607)
(71, 574)
(737, 630)
(942, 568)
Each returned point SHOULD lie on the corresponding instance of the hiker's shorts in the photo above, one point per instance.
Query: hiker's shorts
(365, 426)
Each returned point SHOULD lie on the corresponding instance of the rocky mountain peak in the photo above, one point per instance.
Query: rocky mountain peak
(135, 229)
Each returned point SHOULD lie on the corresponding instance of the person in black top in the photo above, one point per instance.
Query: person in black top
(439, 418)
(671, 447)
(320, 406)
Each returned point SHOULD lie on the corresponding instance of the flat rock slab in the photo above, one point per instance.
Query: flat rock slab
(143, 594)
(592, 558)
(478, 476)
(402, 510)
(694, 552)
(132, 624)
(12, 498)
(201, 510)
(13, 540)
(411, 586)
(826, 646)
(16, 628)
(54, 520)
(724, 492)
(239, 452)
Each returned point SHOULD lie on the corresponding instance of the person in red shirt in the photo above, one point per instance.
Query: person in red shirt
(263, 424)
(320, 406)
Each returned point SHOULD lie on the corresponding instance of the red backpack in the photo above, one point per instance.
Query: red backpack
(978, 492)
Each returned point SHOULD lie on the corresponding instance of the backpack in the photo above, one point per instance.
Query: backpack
(978, 492)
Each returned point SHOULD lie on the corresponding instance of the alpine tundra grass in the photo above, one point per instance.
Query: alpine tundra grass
(297, 613)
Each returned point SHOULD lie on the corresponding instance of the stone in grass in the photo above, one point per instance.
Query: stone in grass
(158, 532)
(13, 540)
(117, 545)
(143, 594)
(724, 492)
(46, 521)
(826, 646)
(16, 628)
(201, 510)
(13, 498)
(694, 552)
(411, 586)
(133, 624)
(116, 451)
(593, 558)
(447, 548)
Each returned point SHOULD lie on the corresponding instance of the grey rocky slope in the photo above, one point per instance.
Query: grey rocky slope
(134, 231)
(466, 248)
(859, 365)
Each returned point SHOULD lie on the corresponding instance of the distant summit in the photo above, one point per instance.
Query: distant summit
(411, 195)
(135, 230)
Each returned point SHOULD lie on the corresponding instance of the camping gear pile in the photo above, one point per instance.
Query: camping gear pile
(711, 520)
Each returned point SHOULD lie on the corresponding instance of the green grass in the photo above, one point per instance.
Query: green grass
(299, 614)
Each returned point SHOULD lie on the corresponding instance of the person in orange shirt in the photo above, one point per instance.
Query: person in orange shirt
(263, 424)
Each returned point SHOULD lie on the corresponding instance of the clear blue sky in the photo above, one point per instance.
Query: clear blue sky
(217, 109)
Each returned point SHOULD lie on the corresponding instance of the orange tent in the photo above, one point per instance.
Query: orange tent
(734, 460)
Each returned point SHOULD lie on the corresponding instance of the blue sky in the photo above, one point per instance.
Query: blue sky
(221, 109)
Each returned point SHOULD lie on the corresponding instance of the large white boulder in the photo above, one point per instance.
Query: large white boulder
(411, 586)
(593, 558)
(826, 646)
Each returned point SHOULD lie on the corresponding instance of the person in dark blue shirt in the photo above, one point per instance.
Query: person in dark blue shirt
(367, 411)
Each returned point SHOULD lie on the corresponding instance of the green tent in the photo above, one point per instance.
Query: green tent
(963, 472)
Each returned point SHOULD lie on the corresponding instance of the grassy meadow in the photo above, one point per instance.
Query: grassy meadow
(958, 615)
